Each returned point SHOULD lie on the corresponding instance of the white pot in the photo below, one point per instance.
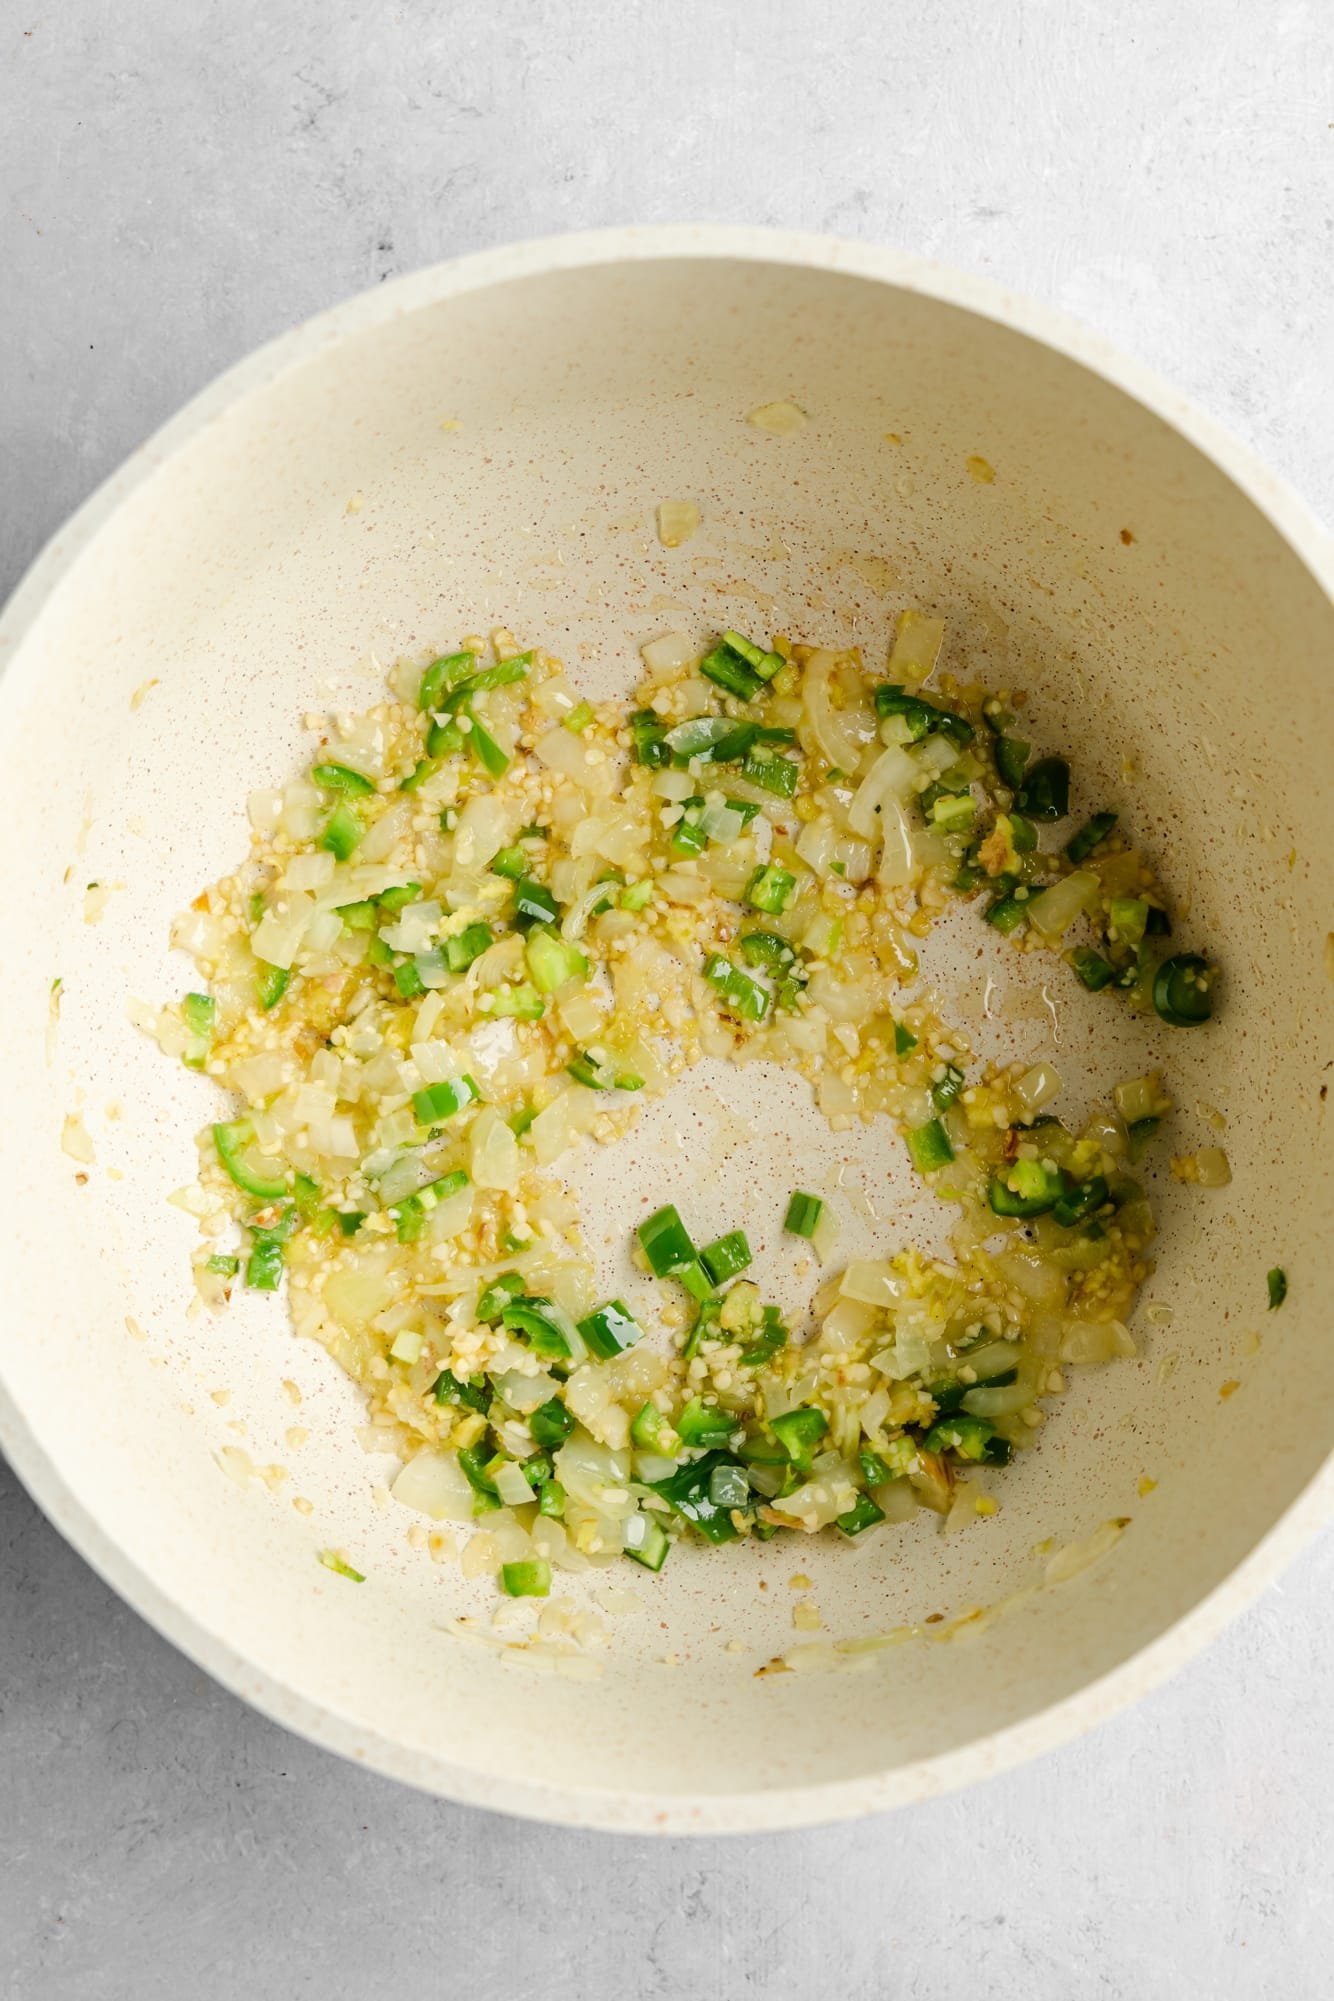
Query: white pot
(486, 443)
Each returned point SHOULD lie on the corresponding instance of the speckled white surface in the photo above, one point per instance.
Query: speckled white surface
(183, 186)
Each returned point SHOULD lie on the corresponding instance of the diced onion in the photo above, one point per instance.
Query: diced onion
(587, 1470)
(576, 918)
(909, 1354)
(265, 809)
(668, 653)
(817, 844)
(825, 1235)
(451, 1217)
(892, 776)
(872, 1282)
(847, 1321)
(934, 755)
(617, 835)
(435, 1484)
(1052, 911)
(722, 823)
(495, 1151)
(561, 750)
(512, 1487)
(819, 1501)
(303, 810)
(524, 1393)
(555, 696)
(324, 929)
(405, 1176)
(917, 642)
(278, 935)
(1141, 1098)
(388, 831)
(583, 1013)
(677, 522)
(485, 825)
(1038, 1086)
(680, 886)
(416, 927)
(834, 741)
(672, 784)
(308, 871)
(258, 1077)
(1002, 1401)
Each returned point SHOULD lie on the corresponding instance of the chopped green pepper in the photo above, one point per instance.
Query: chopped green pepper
(930, 1147)
(1181, 990)
(1044, 793)
(265, 1179)
(611, 1329)
(551, 1423)
(799, 1432)
(342, 832)
(726, 1256)
(771, 889)
(342, 778)
(803, 1213)
(1090, 836)
(1024, 1188)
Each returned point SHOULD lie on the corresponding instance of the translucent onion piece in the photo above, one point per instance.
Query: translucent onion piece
(495, 1151)
(671, 784)
(451, 1217)
(308, 871)
(363, 746)
(677, 522)
(555, 697)
(782, 418)
(1141, 1098)
(278, 935)
(512, 1487)
(588, 1470)
(910, 1354)
(265, 810)
(485, 825)
(835, 742)
(435, 1484)
(873, 1282)
(618, 836)
(389, 830)
(1038, 1086)
(404, 1177)
(722, 823)
(561, 750)
(891, 780)
(668, 653)
(576, 917)
(825, 1235)
(416, 928)
(1004, 1401)
(584, 1014)
(522, 1392)
(934, 755)
(917, 643)
(817, 844)
(845, 1324)
(1052, 911)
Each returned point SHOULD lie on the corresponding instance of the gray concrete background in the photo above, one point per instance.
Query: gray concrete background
(180, 181)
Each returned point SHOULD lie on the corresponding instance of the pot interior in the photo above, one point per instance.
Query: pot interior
(495, 456)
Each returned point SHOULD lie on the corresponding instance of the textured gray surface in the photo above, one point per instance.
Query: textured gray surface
(183, 180)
